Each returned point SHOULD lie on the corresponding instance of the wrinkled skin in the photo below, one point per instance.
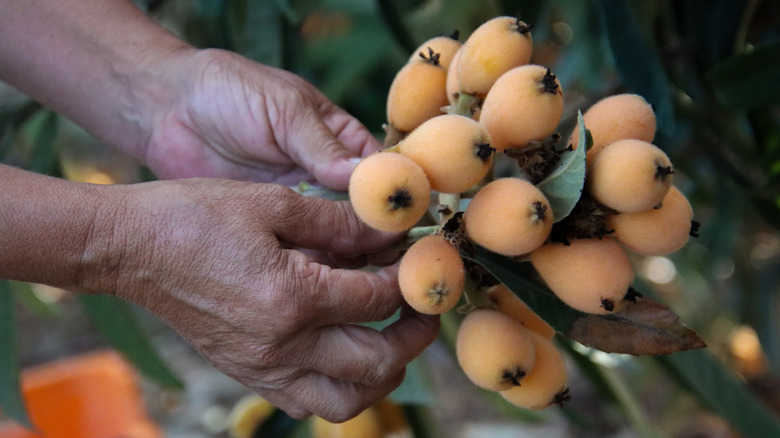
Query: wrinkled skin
(214, 259)
(243, 120)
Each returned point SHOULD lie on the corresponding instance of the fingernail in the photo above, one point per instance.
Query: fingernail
(354, 160)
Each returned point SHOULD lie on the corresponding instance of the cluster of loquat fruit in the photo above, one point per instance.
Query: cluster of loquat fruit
(452, 109)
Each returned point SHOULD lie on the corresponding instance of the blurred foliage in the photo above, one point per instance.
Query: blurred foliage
(711, 70)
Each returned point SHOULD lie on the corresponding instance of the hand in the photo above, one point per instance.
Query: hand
(234, 118)
(215, 260)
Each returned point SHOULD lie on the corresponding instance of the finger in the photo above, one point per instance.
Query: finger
(320, 149)
(352, 134)
(338, 400)
(315, 147)
(337, 296)
(328, 226)
(365, 356)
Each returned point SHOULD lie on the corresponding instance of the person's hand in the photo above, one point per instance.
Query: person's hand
(218, 261)
(235, 118)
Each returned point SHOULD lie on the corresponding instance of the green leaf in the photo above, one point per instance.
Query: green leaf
(11, 121)
(11, 399)
(748, 81)
(723, 392)
(520, 278)
(116, 321)
(563, 187)
(44, 157)
(642, 327)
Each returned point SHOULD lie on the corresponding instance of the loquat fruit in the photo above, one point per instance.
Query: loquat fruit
(493, 350)
(389, 191)
(509, 216)
(417, 93)
(546, 383)
(247, 414)
(443, 46)
(589, 275)
(614, 118)
(431, 275)
(367, 424)
(658, 231)
(454, 151)
(392, 418)
(524, 105)
(492, 49)
(630, 176)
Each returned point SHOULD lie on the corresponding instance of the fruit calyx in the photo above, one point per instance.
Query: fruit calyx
(549, 82)
(400, 199)
(562, 397)
(513, 376)
(484, 151)
(438, 293)
(539, 212)
(661, 172)
(521, 27)
(432, 57)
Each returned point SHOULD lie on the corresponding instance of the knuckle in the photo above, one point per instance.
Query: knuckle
(378, 364)
(279, 201)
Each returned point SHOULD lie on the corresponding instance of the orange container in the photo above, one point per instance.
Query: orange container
(96, 395)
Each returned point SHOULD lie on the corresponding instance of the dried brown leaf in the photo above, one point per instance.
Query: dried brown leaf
(644, 327)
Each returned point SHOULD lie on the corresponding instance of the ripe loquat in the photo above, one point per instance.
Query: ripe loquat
(389, 191)
(417, 93)
(546, 383)
(247, 415)
(454, 151)
(524, 105)
(367, 424)
(630, 176)
(494, 48)
(614, 118)
(590, 275)
(509, 216)
(658, 231)
(493, 350)
(431, 275)
(443, 46)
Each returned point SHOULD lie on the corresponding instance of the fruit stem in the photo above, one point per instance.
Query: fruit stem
(417, 233)
(465, 105)
(448, 206)
(392, 135)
